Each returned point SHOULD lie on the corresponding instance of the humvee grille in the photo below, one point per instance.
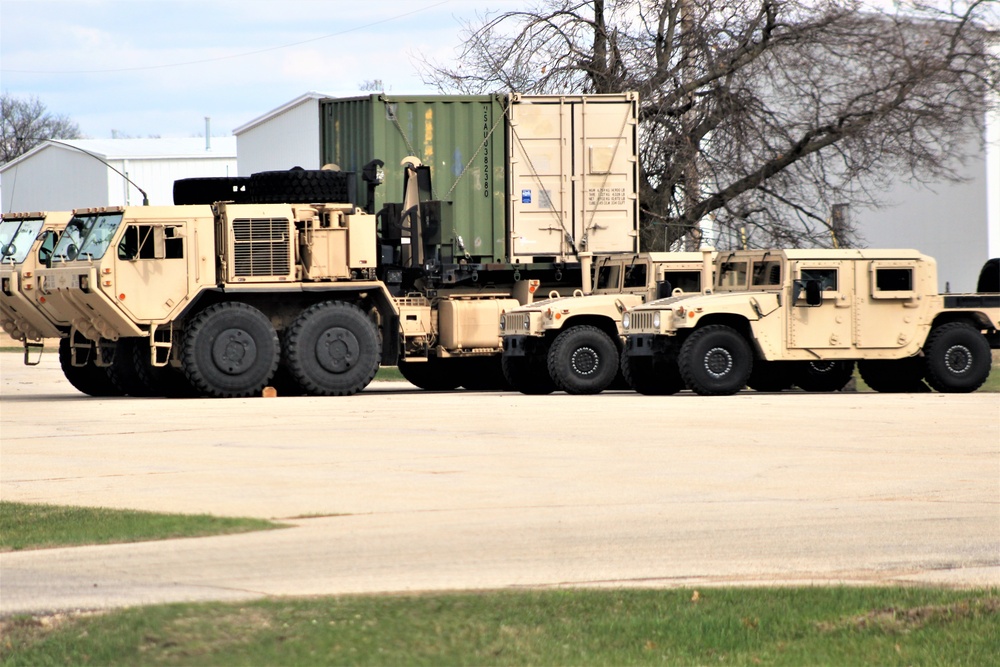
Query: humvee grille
(515, 322)
(641, 319)
(261, 247)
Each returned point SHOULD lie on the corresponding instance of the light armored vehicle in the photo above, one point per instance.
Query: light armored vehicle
(782, 317)
(573, 343)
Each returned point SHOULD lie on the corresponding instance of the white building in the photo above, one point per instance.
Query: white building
(68, 174)
(285, 137)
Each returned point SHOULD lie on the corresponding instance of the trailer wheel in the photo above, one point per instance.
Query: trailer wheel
(830, 375)
(89, 379)
(333, 349)
(894, 376)
(771, 376)
(715, 361)
(957, 358)
(431, 375)
(212, 189)
(651, 376)
(583, 360)
(230, 350)
(528, 374)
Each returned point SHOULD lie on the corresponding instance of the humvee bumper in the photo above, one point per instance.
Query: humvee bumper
(645, 345)
(520, 346)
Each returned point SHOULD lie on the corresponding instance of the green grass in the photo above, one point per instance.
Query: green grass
(388, 374)
(30, 526)
(783, 626)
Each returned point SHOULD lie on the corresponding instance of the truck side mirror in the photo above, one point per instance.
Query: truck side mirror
(814, 296)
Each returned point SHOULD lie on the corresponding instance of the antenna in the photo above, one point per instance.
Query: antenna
(145, 198)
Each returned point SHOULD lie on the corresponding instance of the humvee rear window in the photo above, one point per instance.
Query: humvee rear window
(894, 280)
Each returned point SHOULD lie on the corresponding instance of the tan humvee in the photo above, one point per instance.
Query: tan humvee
(778, 317)
(573, 343)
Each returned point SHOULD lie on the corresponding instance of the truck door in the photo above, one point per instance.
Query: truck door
(151, 276)
(888, 305)
(828, 325)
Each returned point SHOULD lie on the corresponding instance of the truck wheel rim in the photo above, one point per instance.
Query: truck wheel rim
(337, 349)
(234, 351)
(718, 362)
(585, 361)
(958, 359)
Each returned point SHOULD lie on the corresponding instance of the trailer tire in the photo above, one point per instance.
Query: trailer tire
(894, 376)
(210, 190)
(230, 350)
(300, 186)
(771, 376)
(89, 379)
(650, 376)
(333, 349)
(583, 360)
(430, 375)
(715, 361)
(528, 375)
(957, 358)
(823, 376)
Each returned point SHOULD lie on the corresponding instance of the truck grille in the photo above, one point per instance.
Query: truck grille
(641, 319)
(515, 322)
(261, 247)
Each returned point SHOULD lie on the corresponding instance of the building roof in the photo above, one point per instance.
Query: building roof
(287, 106)
(139, 149)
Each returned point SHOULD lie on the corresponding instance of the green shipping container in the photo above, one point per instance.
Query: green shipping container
(461, 139)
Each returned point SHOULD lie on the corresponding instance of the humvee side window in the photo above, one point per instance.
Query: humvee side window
(767, 273)
(607, 277)
(894, 280)
(732, 274)
(827, 278)
(635, 276)
(686, 281)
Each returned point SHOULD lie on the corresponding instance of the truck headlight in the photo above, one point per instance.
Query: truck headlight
(656, 320)
(626, 320)
(503, 322)
(85, 283)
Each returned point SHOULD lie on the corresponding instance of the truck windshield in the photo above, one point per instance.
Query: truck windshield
(16, 238)
(87, 236)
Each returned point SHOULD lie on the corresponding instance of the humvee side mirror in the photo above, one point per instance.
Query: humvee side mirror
(663, 289)
(814, 296)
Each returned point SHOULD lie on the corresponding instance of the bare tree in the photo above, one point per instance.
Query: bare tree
(26, 123)
(759, 115)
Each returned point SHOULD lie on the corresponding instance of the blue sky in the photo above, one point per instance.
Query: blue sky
(159, 67)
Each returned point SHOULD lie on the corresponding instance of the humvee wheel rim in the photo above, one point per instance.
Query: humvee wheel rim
(337, 349)
(585, 361)
(234, 351)
(718, 362)
(958, 359)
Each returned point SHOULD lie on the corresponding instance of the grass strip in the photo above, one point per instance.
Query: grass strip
(31, 526)
(734, 626)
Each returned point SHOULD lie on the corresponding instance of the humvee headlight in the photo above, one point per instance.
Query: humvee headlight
(656, 320)
(626, 320)
(527, 323)
(503, 323)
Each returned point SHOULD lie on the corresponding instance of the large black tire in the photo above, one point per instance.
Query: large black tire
(528, 374)
(583, 360)
(210, 190)
(894, 376)
(651, 376)
(125, 371)
(89, 379)
(715, 361)
(301, 186)
(957, 358)
(989, 276)
(771, 376)
(483, 374)
(433, 375)
(230, 350)
(831, 375)
(333, 349)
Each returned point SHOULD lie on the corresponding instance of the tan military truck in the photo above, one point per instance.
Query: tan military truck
(573, 343)
(805, 317)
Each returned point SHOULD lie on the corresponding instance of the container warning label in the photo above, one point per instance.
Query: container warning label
(606, 196)
(525, 196)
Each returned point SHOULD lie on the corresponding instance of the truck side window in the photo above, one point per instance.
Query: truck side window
(827, 278)
(46, 247)
(893, 280)
(137, 243)
(635, 276)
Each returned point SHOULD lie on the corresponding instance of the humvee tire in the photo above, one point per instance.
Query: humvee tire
(333, 349)
(90, 379)
(583, 360)
(528, 375)
(646, 376)
(828, 375)
(430, 375)
(957, 358)
(212, 189)
(715, 361)
(230, 350)
(893, 376)
(771, 376)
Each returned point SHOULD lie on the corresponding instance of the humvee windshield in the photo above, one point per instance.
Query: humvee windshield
(732, 275)
(87, 237)
(16, 238)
